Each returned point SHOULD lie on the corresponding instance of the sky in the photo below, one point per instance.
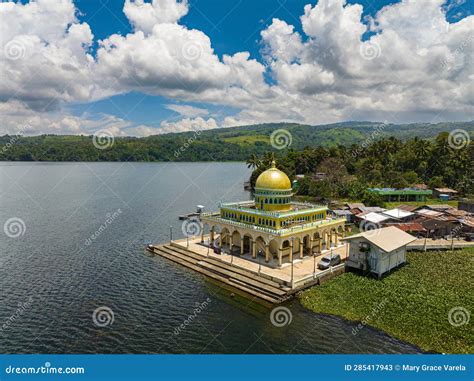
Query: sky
(139, 68)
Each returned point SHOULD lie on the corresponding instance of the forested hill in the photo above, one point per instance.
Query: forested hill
(236, 143)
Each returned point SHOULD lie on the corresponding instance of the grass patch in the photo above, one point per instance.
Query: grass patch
(412, 303)
(247, 139)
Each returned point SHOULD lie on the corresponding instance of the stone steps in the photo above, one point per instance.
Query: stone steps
(227, 266)
(242, 280)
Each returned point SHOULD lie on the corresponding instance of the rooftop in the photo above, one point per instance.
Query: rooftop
(388, 239)
(397, 213)
(428, 212)
(446, 190)
(408, 226)
(439, 206)
(374, 217)
(400, 191)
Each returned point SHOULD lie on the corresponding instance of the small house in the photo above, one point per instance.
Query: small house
(439, 226)
(405, 194)
(445, 193)
(378, 251)
(344, 213)
(414, 228)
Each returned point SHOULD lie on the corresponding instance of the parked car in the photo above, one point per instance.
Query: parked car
(469, 237)
(329, 260)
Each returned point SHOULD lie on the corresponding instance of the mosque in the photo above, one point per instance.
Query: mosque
(272, 226)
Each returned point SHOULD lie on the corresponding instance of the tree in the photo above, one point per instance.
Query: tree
(254, 161)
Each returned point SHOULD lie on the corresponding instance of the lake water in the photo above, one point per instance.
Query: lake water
(73, 241)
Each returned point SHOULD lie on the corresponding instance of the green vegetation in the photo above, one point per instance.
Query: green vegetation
(413, 303)
(346, 172)
(223, 144)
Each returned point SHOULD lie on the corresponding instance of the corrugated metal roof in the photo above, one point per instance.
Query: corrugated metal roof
(388, 239)
(374, 217)
(397, 213)
(409, 226)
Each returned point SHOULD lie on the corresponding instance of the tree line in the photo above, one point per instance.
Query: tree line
(347, 171)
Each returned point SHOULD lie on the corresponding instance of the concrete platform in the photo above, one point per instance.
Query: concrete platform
(252, 277)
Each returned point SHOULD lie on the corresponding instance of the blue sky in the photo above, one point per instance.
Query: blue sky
(234, 26)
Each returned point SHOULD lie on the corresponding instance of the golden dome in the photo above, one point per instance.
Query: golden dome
(273, 178)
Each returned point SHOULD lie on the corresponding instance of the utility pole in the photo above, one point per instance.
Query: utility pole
(314, 267)
(291, 248)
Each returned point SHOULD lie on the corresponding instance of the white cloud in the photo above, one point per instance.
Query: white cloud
(144, 16)
(187, 111)
(411, 68)
(44, 57)
(187, 124)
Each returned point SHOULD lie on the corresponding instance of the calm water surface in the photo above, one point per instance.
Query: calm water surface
(81, 248)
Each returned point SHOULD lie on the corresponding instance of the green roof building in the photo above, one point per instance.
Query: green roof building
(404, 194)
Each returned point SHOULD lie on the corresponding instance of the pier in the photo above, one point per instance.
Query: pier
(250, 278)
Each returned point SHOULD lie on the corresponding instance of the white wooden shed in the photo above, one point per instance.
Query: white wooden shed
(378, 250)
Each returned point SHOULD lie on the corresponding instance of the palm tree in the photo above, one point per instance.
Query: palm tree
(268, 158)
(254, 161)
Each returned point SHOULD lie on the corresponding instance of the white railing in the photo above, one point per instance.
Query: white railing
(278, 232)
(312, 277)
